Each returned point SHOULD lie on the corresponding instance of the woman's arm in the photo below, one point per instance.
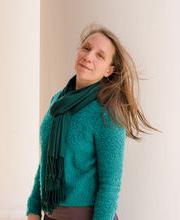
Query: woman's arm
(34, 200)
(33, 210)
(109, 145)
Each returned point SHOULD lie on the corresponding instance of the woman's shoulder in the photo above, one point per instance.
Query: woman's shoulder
(55, 95)
(104, 118)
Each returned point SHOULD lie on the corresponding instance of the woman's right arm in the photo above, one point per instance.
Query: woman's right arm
(34, 200)
(33, 211)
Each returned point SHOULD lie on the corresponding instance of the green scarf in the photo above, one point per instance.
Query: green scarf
(69, 102)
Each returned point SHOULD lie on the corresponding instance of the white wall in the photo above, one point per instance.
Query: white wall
(52, 51)
(150, 32)
(19, 95)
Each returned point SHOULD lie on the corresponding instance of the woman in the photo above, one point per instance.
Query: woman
(82, 135)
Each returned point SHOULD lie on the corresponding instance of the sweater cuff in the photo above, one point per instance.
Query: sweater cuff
(33, 207)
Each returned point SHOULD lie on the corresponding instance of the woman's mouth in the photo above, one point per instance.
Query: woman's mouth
(84, 66)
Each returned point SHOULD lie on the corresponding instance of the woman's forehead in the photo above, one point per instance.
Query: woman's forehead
(99, 40)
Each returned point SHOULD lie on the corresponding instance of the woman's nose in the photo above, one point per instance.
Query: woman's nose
(88, 57)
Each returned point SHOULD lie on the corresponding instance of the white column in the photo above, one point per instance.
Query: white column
(19, 108)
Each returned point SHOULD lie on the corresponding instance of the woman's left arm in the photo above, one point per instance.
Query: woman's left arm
(109, 145)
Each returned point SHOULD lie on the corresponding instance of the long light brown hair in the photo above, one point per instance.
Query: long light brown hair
(117, 91)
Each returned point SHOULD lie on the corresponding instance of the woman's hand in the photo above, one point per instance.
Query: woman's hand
(33, 217)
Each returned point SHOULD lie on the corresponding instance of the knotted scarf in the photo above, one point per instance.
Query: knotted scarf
(68, 102)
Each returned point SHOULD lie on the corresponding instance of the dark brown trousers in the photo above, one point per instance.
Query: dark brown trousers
(76, 214)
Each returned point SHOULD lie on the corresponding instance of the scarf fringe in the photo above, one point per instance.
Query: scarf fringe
(54, 189)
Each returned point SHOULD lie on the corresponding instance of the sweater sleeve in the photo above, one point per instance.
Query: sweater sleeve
(34, 199)
(109, 143)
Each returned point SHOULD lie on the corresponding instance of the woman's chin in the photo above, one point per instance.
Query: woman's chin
(82, 74)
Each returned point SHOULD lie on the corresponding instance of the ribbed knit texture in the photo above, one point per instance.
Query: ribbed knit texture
(94, 155)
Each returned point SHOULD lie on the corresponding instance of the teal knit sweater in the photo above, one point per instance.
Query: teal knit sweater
(93, 160)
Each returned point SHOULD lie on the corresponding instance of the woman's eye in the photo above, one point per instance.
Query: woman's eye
(86, 48)
(100, 56)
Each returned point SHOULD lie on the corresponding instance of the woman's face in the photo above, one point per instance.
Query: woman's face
(93, 60)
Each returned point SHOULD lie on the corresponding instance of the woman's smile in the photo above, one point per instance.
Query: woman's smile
(84, 66)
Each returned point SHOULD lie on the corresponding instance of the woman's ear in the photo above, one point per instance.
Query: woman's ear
(109, 71)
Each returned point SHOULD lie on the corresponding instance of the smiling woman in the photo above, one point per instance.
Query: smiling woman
(93, 61)
(83, 134)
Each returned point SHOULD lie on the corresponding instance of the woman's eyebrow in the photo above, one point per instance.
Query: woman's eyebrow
(88, 43)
